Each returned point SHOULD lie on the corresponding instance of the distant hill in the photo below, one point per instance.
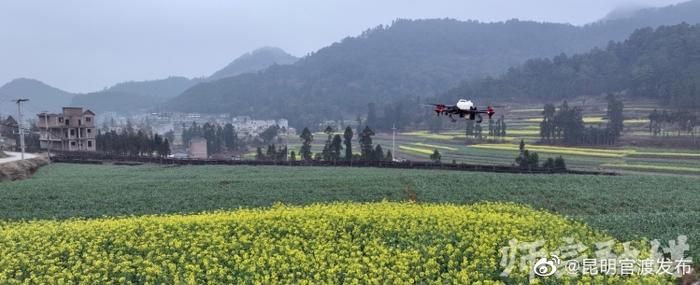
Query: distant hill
(134, 96)
(137, 96)
(663, 64)
(42, 97)
(255, 61)
(409, 58)
(117, 101)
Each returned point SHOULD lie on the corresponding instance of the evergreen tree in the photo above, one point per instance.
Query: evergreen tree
(165, 148)
(230, 137)
(347, 136)
(336, 147)
(559, 163)
(615, 117)
(326, 153)
(366, 147)
(259, 155)
(378, 153)
(389, 156)
(306, 139)
(436, 156)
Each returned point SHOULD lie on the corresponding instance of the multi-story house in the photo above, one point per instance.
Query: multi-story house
(72, 130)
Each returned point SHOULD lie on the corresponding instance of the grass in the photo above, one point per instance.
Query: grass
(628, 207)
(416, 150)
(651, 167)
(427, 135)
(436, 146)
(557, 150)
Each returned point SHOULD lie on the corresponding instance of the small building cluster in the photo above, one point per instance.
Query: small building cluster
(7, 128)
(71, 130)
(245, 126)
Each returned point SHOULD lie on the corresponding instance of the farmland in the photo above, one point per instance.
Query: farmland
(395, 243)
(632, 155)
(627, 207)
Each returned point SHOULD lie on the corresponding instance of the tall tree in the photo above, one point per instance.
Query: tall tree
(378, 153)
(336, 147)
(615, 117)
(347, 137)
(366, 147)
(326, 153)
(306, 139)
(230, 137)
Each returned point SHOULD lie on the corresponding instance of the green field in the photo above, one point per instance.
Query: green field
(627, 207)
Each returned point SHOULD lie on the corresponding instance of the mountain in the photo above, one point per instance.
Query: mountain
(409, 58)
(140, 96)
(42, 97)
(624, 12)
(255, 61)
(134, 96)
(662, 63)
(116, 101)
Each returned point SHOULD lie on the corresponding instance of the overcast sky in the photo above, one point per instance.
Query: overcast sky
(86, 45)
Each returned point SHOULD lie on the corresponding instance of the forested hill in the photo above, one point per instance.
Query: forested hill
(663, 63)
(140, 96)
(41, 97)
(134, 96)
(255, 61)
(390, 63)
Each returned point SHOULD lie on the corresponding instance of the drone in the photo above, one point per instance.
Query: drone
(464, 109)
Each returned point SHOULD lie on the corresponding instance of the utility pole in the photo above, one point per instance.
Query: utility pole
(19, 124)
(48, 135)
(393, 142)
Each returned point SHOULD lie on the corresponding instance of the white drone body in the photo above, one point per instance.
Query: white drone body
(465, 105)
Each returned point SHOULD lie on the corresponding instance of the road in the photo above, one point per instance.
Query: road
(14, 156)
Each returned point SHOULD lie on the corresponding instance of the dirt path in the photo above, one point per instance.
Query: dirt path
(14, 156)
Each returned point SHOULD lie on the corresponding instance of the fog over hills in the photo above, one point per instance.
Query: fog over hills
(255, 61)
(41, 97)
(661, 64)
(407, 59)
(140, 96)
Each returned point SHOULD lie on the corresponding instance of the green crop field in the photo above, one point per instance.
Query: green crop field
(628, 207)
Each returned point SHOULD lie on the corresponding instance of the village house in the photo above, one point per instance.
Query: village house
(8, 128)
(198, 148)
(71, 130)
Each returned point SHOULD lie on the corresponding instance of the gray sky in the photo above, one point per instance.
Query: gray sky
(85, 45)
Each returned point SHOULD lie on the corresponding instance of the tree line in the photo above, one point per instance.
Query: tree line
(336, 148)
(656, 63)
(130, 142)
(530, 160)
(664, 122)
(219, 138)
(565, 125)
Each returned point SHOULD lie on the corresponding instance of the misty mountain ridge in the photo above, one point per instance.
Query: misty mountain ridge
(255, 61)
(624, 12)
(656, 63)
(42, 97)
(140, 96)
(407, 59)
